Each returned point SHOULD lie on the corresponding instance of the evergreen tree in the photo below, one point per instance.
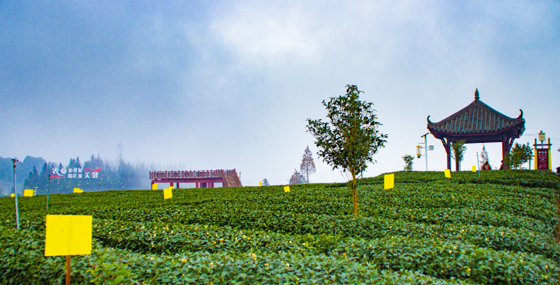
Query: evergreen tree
(43, 179)
(32, 180)
(94, 163)
(307, 163)
(296, 178)
(71, 164)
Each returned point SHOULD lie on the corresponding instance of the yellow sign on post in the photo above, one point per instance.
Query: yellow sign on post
(389, 181)
(167, 193)
(28, 193)
(78, 190)
(286, 188)
(474, 168)
(154, 186)
(447, 173)
(68, 235)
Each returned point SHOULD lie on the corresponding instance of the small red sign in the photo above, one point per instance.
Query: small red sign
(542, 159)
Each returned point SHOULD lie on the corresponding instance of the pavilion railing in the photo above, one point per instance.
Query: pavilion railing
(190, 174)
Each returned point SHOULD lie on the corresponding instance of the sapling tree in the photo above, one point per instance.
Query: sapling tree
(350, 138)
(307, 164)
(458, 151)
(408, 161)
(520, 154)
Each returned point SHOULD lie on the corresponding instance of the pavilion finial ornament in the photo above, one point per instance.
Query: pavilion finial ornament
(476, 96)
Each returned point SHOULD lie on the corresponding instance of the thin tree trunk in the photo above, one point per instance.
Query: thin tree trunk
(354, 194)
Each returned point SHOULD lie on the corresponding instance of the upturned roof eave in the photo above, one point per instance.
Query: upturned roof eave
(518, 122)
(512, 133)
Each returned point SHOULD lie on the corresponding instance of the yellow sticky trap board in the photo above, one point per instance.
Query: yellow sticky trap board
(260, 183)
(474, 168)
(78, 190)
(389, 181)
(154, 186)
(286, 188)
(13, 195)
(447, 173)
(167, 194)
(28, 193)
(68, 235)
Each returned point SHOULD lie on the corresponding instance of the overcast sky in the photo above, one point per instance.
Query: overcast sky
(230, 84)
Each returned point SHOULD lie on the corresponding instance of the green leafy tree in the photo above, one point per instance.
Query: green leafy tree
(350, 138)
(408, 161)
(458, 151)
(520, 154)
(307, 164)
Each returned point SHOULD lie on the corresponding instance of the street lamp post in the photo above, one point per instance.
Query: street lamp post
(425, 143)
(14, 160)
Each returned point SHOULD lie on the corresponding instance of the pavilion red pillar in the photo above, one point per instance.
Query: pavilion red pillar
(506, 147)
(448, 150)
(447, 147)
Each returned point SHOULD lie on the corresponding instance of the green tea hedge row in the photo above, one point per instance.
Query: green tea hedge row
(434, 257)
(427, 229)
(107, 265)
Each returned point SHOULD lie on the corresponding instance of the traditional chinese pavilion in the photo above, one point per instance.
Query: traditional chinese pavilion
(477, 123)
(201, 178)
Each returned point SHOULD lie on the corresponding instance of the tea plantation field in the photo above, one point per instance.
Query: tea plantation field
(427, 230)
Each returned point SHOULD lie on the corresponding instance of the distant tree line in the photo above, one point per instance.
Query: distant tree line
(23, 168)
(92, 175)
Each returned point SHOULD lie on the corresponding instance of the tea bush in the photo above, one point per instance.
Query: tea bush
(498, 228)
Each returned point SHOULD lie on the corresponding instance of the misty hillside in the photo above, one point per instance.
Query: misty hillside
(23, 168)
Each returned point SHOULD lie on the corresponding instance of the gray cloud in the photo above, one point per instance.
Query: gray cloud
(230, 84)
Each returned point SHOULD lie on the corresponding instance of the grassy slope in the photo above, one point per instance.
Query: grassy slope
(496, 228)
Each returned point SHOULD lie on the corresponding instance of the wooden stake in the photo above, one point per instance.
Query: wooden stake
(68, 270)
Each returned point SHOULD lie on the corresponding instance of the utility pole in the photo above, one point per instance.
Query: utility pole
(426, 149)
(14, 160)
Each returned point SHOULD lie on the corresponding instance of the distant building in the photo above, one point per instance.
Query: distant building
(198, 179)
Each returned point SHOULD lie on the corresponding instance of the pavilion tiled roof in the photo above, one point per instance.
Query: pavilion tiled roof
(477, 118)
